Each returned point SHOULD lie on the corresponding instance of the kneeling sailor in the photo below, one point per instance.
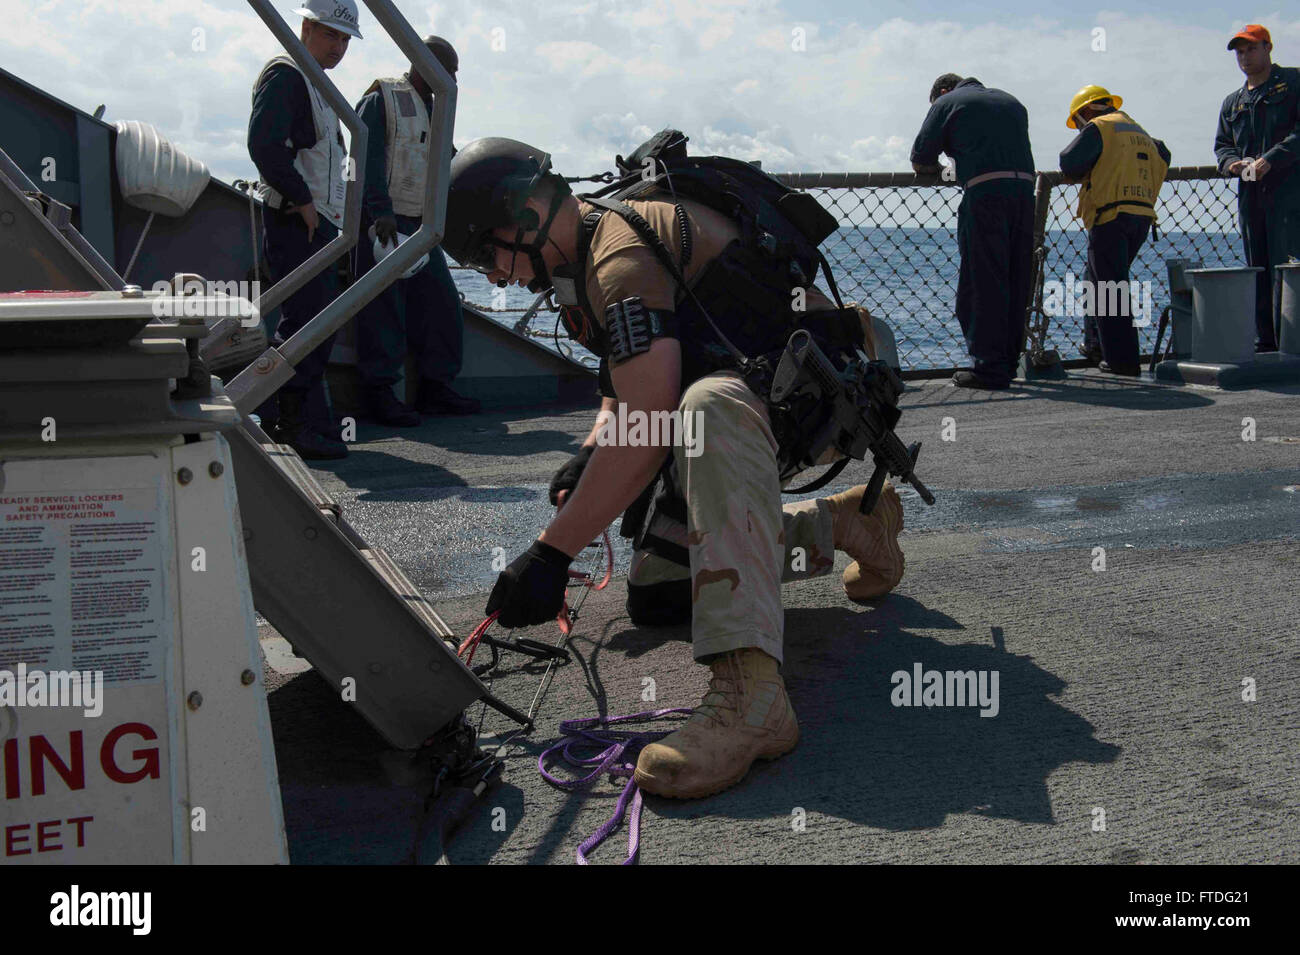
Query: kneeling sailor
(510, 217)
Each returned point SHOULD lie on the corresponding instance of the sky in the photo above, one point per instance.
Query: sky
(803, 85)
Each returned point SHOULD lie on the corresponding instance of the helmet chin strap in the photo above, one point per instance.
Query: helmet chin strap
(541, 275)
(539, 268)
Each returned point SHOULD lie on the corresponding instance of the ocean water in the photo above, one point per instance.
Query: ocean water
(908, 276)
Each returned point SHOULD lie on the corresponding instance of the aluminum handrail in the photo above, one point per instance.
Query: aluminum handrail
(877, 180)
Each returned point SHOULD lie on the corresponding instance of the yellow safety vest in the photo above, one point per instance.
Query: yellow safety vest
(1127, 176)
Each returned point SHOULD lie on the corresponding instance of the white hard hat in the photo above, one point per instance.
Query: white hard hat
(339, 14)
(382, 251)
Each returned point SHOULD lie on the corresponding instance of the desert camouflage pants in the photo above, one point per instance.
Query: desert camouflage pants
(743, 543)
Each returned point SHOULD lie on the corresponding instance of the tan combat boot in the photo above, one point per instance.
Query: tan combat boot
(870, 539)
(746, 715)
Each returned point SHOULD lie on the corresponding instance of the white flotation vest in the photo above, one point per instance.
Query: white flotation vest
(406, 144)
(322, 165)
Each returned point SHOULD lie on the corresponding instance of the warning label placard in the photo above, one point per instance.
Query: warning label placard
(83, 597)
(81, 583)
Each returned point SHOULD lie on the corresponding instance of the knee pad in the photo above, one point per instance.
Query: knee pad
(665, 604)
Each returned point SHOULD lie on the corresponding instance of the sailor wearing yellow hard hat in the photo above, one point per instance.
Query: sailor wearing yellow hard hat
(1120, 168)
(1088, 96)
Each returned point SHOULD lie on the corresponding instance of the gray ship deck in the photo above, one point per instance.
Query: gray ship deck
(1119, 689)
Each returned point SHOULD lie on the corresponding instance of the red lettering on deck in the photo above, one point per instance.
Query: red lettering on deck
(10, 833)
(72, 772)
(74, 777)
(19, 835)
(148, 756)
(41, 836)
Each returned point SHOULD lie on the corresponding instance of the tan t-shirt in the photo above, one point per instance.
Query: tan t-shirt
(621, 265)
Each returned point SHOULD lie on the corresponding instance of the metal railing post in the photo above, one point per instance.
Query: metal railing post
(1042, 206)
(1034, 346)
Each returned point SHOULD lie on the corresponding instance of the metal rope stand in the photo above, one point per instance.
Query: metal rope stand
(1037, 361)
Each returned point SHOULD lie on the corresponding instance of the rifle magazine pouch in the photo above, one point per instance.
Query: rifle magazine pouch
(808, 216)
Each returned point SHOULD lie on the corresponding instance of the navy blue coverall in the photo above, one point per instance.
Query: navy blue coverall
(987, 130)
(282, 111)
(1112, 247)
(422, 312)
(1255, 124)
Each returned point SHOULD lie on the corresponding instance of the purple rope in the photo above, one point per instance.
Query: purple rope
(618, 750)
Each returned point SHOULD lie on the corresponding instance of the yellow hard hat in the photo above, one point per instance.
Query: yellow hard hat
(1089, 94)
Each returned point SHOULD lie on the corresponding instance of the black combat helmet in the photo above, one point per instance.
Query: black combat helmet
(491, 179)
(444, 52)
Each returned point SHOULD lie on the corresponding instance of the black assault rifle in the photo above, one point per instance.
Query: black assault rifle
(854, 411)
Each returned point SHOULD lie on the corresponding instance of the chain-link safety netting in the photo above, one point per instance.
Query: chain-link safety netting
(896, 253)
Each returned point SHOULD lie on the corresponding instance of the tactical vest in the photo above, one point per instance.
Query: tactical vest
(321, 165)
(1127, 177)
(406, 144)
(748, 294)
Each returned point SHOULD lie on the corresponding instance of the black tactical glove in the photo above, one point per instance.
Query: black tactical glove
(531, 590)
(566, 479)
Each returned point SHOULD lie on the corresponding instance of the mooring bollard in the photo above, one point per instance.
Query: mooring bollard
(1288, 334)
(1223, 315)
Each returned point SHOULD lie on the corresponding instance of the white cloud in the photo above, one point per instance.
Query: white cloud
(590, 78)
(577, 57)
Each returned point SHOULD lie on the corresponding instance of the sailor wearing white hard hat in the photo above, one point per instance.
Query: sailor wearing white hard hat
(296, 142)
(338, 14)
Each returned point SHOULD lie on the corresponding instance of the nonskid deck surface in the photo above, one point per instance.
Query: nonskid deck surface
(1119, 690)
